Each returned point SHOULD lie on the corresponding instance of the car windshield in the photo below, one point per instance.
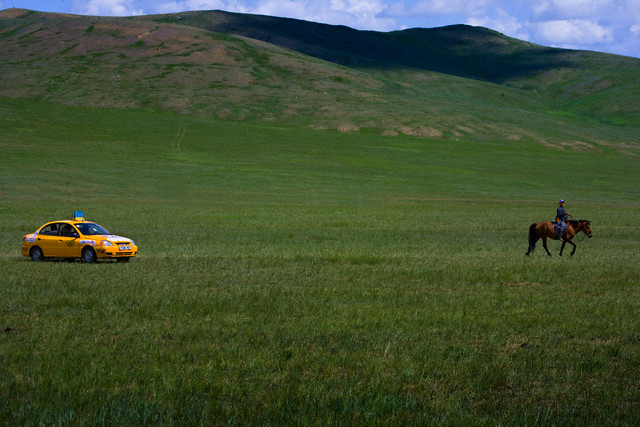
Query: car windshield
(91, 229)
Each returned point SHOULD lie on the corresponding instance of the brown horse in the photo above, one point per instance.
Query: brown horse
(544, 229)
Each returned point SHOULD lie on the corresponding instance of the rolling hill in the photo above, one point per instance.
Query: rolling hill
(454, 83)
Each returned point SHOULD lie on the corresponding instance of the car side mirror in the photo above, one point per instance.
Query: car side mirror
(75, 235)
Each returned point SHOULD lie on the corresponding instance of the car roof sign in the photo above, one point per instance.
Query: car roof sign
(78, 216)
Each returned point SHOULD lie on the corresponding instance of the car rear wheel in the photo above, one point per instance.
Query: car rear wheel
(36, 254)
(88, 255)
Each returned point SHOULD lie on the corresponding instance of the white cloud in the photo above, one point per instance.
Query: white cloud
(288, 8)
(502, 22)
(572, 9)
(363, 14)
(396, 9)
(169, 8)
(566, 33)
(357, 6)
(105, 8)
(186, 5)
(450, 7)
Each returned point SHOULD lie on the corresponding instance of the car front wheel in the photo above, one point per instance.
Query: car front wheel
(36, 254)
(88, 255)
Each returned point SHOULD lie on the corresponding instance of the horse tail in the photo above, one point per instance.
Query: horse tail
(533, 238)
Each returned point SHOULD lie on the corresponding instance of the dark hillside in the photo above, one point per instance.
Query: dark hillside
(461, 50)
(477, 52)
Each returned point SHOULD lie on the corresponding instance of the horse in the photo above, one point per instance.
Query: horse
(545, 229)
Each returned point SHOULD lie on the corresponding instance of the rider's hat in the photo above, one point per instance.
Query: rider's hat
(561, 201)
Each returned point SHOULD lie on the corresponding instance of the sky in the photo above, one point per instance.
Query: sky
(611, 26)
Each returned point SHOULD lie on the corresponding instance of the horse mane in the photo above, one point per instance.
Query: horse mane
(575, 223)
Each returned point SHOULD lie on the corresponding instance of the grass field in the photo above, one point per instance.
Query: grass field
(290, 276)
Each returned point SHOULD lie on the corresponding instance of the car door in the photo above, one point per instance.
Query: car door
(48, 239)
(68, 242)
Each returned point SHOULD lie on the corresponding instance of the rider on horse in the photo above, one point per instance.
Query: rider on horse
(564, 231)
(561, 220)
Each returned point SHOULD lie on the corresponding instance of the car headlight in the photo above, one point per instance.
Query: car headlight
(133, 243)
(105, 243)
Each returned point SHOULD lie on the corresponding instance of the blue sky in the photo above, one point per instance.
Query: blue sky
(611, 26)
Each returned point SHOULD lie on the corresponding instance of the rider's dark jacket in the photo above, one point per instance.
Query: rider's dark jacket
(561, 214)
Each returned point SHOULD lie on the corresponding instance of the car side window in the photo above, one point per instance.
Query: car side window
(51, 229)
(68, 231)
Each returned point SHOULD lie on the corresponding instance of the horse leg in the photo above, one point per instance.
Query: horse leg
(544, 245)
(569, 241)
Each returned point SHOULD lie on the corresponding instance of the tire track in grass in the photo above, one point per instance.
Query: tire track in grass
(176, 143)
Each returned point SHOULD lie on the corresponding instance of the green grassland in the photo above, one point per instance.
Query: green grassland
(296, 276)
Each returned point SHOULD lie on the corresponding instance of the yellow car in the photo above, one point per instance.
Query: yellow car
(77, 238)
